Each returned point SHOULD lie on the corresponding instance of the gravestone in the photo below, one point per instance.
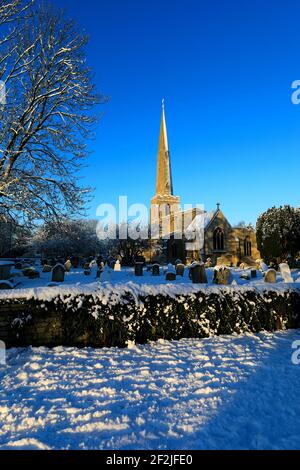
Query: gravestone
(198, 273)
(138, 269)
(171, 273)
(5, 268)
(180, 269)
(93, 268)
(111, 263)
(68, 266)
(31, 273)
(98, 274)
(118, 267)
(47, 268)
(156, 270)
(58, 273)
(170, 277)
(286, 273)
(270, 276)
(243, 266)
(75, 262)
(222, 276)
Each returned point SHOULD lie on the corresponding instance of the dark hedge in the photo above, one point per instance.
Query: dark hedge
(86, 320)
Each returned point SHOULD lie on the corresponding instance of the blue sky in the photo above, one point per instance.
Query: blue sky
(225, 69)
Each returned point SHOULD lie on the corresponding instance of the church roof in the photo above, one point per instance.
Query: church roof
(201, 221)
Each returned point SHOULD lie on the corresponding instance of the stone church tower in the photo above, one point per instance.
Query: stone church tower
(164, 203)
(220, 241)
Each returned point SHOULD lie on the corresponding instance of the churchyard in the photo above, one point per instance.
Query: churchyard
(34, 273)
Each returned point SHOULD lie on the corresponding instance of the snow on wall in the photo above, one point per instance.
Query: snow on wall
(114, 315)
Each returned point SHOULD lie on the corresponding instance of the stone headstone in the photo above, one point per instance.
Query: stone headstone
(68, 266)
(93, 268)
(270, 276)
(138, 269)
(31, 273)
(5, 268)
(111, 264)
(286, 273)
(58, 273)
(253, 273)
(198, 273)
(180, 269)
(47, 268)
(118, 267)
(243, 266)
(155, 270)
(170, 277)
(222, 276)
(75, 262)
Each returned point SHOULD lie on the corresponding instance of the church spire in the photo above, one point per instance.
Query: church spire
(164, 185)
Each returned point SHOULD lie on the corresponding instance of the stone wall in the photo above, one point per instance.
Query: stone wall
(91, 320)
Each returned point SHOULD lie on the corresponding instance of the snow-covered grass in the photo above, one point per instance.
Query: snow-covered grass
(239, 392)
(77, 283)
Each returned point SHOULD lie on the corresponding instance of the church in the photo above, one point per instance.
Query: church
(219, 241)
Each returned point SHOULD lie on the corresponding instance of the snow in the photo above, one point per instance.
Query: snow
(239, 392)
(6, 263)
(76, 283)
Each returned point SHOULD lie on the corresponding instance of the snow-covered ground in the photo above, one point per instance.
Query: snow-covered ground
(239, 392)
(76, 276)
(77, 283)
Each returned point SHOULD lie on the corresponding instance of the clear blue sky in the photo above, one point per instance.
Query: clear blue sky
(225, 69)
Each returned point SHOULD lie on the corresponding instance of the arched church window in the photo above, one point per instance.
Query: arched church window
(247, 247)
(219, 240)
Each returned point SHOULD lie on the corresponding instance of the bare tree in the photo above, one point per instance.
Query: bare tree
(47, 120)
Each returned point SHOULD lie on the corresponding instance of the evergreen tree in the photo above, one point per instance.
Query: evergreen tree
(278, 232)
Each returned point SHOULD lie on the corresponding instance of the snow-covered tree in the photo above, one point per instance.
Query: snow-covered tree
(47, 120)
(278, 232)
(68, 238)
